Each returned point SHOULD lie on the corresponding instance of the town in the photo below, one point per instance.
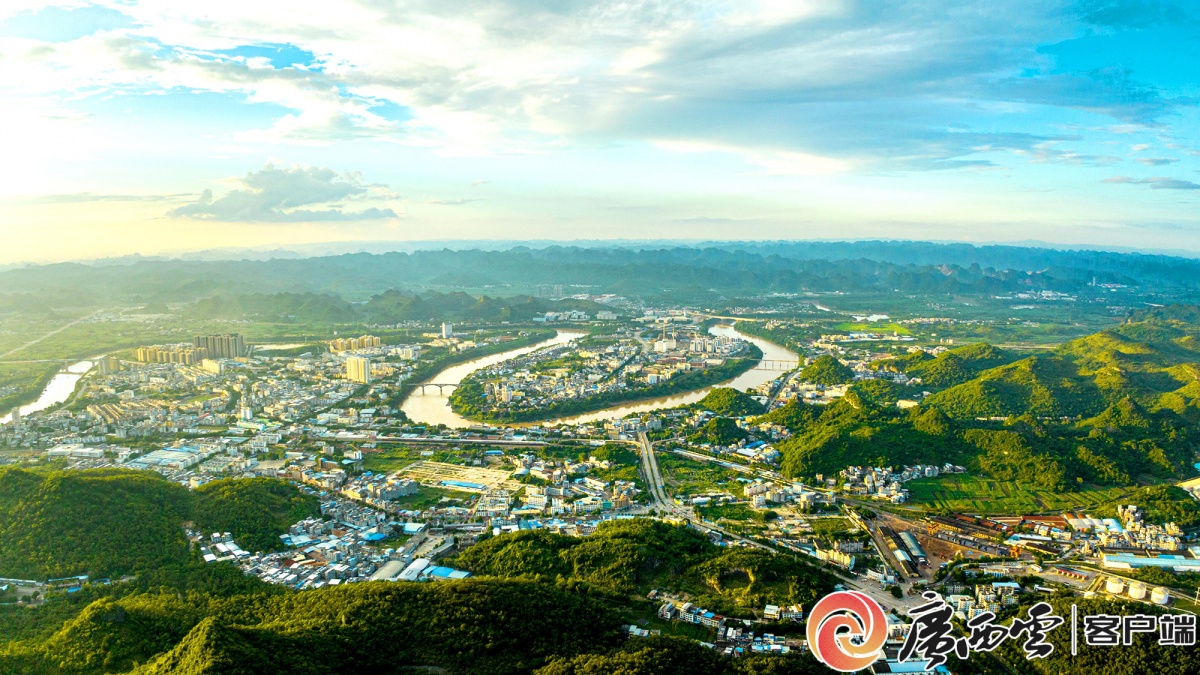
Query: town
(398, 495)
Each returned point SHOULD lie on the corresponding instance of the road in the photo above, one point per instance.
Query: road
(52, 333)
(654, 481)
(662, 501)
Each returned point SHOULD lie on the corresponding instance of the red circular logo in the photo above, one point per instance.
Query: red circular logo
(846, 630)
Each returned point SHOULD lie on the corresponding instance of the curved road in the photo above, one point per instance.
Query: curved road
(665, 505)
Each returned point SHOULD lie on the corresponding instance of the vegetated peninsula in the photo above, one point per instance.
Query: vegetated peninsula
(599, 372)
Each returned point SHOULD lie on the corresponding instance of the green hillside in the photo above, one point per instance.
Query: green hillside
(636, 555)
(677, 656)
(794, 415)
(845, 435)
(107, 523)
(719, 431)
(883, 392)
(948, 368)
(469, 626)
(1154, 362)
(254, 510)
(827, 370)
(730, 402)
(1123, 445)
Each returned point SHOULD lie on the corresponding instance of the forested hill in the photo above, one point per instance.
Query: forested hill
(637, 555)
(1120, 407)
(109, 523)
(1153, 362)
(679, 271)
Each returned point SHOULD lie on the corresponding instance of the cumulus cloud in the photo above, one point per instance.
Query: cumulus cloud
(876, 83)
(279, 194)
(1156, 183)
(797, 88)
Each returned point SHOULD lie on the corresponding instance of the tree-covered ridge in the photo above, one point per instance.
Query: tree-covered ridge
(827, 370)
(949, 368)
(730, 402)
(108, 523)
(794, 415)
(1121, 446)
(101, 523)
(882, 392)
(254, 510)
(678, 656)
(1160, 504)
(1155, 362)
(719, 431)
(615, 453)
(469, 626)
(638, 554)
(1143, 655)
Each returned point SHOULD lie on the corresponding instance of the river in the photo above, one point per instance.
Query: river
(434, 408)
(58, 389)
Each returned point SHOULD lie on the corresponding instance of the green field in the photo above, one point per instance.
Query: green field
(690, 477)
(968, 494)
(872, 328)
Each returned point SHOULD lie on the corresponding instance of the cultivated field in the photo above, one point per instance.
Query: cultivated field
(968, 494)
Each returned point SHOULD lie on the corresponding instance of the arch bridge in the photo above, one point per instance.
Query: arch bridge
(440, 386)
(776, 364)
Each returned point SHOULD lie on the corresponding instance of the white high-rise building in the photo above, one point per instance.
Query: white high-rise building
(447, 330)
(358, 369)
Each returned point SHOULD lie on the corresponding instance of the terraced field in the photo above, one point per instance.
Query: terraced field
(969, 494)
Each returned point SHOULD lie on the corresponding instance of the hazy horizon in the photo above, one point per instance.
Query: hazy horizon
(378, 247)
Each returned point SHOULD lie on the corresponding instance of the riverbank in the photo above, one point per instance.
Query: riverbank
(425, 371)
(467, 398)
(29, 380)
(60, 388)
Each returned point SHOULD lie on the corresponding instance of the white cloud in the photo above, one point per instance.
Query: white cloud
(774, 162)
(276, 194)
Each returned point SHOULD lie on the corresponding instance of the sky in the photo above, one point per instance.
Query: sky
(160, 126)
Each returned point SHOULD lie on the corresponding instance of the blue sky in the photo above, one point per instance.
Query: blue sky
(157, 126)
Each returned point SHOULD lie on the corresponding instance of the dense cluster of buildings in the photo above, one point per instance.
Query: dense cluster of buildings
(885, 483)
(351, 344)
(229, 346)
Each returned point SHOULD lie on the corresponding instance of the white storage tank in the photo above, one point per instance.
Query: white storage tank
(1114, 586)
(1159, 596)
(1137, 590)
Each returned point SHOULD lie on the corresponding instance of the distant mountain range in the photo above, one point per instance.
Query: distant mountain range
(679, 273)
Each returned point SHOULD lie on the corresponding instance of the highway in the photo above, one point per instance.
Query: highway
(50, 334)
(667, 506)
(654, 481)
